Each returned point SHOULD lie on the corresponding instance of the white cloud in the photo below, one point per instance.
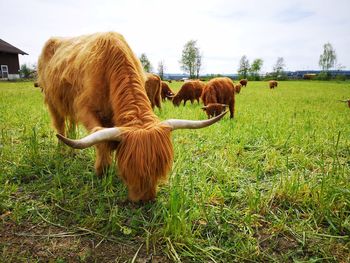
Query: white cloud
(225, 30)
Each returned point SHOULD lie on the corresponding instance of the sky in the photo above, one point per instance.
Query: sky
(224, 30)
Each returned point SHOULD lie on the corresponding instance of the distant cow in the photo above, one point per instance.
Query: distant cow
(243, 82)
(238, 87)
(348, 101)
(153, 89)
(220, 90)
(214, 109)
(166, 92)
(273, 84)
(190, 90)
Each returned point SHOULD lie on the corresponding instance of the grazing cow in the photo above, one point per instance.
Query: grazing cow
(153, 89)
(166, 91)
(220, 90)
(238, 87)
(243, 82)
(214, 109)
(190, 90)
(273, 84)
(97, 80)
(347, 101)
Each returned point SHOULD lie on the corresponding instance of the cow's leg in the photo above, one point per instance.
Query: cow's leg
(232, 108)
(185, 102)
(57, 120)
(92, 123)
(157, 101)
(103, 158)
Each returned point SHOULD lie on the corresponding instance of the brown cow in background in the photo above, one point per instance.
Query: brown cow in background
(220, 90)
(238, 87)
(273, 84)
(214, 109)
(243, 82)
(166, 92)
(190, 90)
(153, 89)
(97, 80)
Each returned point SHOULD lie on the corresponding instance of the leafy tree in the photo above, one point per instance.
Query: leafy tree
(255, 68)
(198, 63)
(161, 68)
(191, 59)
(278, 68)
(27, 71)
(243, 67)
(147, 66)
(328, 58)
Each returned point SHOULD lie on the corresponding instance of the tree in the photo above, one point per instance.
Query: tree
(278, 68)
(243, 67)
(27, 71)
(161, 68)
(328, 58)
(191, 59)
(147, 66)
(255, 68)
(198, 63)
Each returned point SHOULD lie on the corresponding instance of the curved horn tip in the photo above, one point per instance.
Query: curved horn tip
(69, 142)
(189, 124)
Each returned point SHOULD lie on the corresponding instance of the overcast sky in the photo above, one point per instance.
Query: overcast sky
(224, 30)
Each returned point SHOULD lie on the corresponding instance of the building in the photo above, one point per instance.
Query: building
(9, 62)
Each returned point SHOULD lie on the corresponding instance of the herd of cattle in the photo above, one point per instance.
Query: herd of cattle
(216, 95)
(97, 81)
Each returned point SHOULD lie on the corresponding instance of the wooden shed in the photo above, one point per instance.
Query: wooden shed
(9, 62)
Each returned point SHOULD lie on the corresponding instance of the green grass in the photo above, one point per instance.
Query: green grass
(271, 185)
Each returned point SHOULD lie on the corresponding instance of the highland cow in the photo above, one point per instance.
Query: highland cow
(243, 82)
(238, 87)
(190, 90)
(96, 80)
(153, 89)
(166, 92)
(273, 84)
(214, 109)
(220, 90)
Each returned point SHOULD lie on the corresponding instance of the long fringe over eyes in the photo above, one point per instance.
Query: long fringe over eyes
(144, 158)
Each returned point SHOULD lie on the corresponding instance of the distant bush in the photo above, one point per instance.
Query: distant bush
(340, 77)
(28, 72)
(324, 76)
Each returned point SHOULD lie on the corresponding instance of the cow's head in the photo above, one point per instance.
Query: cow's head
(144, 155)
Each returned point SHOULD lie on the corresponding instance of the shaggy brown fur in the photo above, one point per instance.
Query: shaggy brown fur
(273, 84)
(153, 89)
(238, 87)
(214, 109)
(166, 91)
(190, 90)
(96, 80)
(220, 90)
(243, 82)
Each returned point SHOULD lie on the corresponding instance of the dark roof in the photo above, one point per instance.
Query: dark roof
(8, 48)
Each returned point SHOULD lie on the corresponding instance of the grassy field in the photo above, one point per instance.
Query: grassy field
(271, 185)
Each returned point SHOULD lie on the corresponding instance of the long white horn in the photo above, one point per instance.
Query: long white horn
(106, 134)
(187, 124)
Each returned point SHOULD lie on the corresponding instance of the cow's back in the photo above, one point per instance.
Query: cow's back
(77, 71)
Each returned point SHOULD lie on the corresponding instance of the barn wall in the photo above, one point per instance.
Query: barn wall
(12, 62)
